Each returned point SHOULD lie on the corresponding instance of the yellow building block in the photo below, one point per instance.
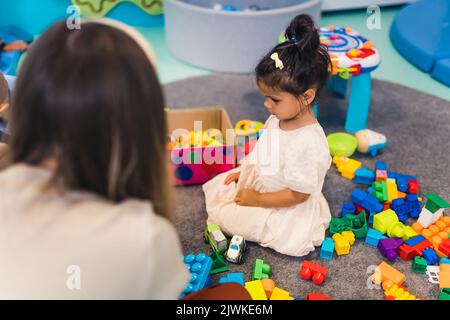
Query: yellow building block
(256, 290)
(409, 233)
(399, 293)
(346, 166)
(343, 241)
(392, 190)
(383, 220)
(280, 294)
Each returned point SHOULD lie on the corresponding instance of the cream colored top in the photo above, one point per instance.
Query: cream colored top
(80, 246)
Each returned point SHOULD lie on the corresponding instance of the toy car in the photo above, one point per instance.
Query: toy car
(216, 239)
(236, 249)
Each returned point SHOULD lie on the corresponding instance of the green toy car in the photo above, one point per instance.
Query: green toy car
(216, 239)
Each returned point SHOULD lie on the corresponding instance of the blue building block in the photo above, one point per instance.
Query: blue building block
(373, 237)
(366, 201)
(400, 207)
(364, 176)
(408, 207)
(415, 240)
(414, 205)
(371, 215)
(347, 208)
(327, 250)
(444, 260)
(380, 165)
(430, 256)
(401, 180)
(237, 277)
(199, 266)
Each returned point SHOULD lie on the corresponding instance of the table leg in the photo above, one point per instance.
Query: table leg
(338, 85)
(359, 103)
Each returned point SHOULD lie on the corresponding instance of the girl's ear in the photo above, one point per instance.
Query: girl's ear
(309, 96)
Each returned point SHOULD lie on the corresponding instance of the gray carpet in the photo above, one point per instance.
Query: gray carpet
(417, 126)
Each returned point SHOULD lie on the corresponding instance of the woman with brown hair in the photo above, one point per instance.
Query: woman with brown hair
(84, 200)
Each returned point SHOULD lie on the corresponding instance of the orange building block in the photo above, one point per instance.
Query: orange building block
(386, 275)
(437, 232)
(444, 276)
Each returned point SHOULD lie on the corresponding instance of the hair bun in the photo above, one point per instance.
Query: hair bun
(304, 34)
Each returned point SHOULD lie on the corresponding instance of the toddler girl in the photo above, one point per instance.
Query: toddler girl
(275, 197)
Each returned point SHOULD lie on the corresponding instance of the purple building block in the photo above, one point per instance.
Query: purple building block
(388, 247)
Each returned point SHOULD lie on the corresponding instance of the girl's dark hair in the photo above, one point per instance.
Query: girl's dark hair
(4, 89)
(306, 61)
(91, 99)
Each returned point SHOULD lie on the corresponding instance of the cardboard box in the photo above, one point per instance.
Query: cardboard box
(197, 165)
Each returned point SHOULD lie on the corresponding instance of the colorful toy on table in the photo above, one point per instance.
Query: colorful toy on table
(370, 142)
(341, 144)
(199, 266)
(315, 272)
(351, 55)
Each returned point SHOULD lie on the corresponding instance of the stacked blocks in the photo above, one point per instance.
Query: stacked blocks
(399, 293)
(348, 208)
(388, 247)
(430, 256)
(327, 250)
(237, 277)
(387, 223)
(386, 275)
(364, 176)
(260, 270)
(407, 207)
(373, 237)
(199, 266)
(433, 209)
(343, 241)
(380, 171)
(313, 271)
(366, 201)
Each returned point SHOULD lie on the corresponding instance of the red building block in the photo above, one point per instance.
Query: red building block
(444, 247)
(313, 271)
(317, 296)
(413, 186)
(358, 208)
(422, 246)
(407, 252)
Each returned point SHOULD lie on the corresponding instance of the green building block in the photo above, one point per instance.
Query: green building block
(419, 265)
(445, 294)
(356, 223)
(260, 270)
(219, 264)
(435, 202)
(380, 191)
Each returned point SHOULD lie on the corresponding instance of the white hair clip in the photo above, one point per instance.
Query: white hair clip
(278, 63)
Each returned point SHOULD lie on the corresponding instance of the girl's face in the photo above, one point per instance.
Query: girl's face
(282, 105)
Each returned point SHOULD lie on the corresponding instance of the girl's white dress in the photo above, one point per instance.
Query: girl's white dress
(297, 159)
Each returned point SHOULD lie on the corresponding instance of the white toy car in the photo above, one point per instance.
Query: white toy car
(236, 249)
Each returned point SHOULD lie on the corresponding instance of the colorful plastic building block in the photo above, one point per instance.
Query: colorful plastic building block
(386, 275)
(444, 247)
(237, 277)
(445, 294)
(218, 263)
(317, 296)
(260, 270)
(215, 237)
(444, 260)
(413, 186)
(444, 276)
(343, 241)
(387, 223)
(373, 237)
(280, 294)
(407, 207)
(366, 201)
(199, 266)
(347, 208)
(379, 190)
(407, 252)
(256, 290)
(269, 286)
(356, 223)
(346, 166)
(327, 250)
(388, 247)
(419, 265)
(402, 181)
(430, 256)
(380, 171)
(313, 271)
(364, 176)
(433, 210)
(392, 190)
(399, 293)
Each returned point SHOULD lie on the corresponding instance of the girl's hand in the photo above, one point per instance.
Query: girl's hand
(232, 177)
(248, 198)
